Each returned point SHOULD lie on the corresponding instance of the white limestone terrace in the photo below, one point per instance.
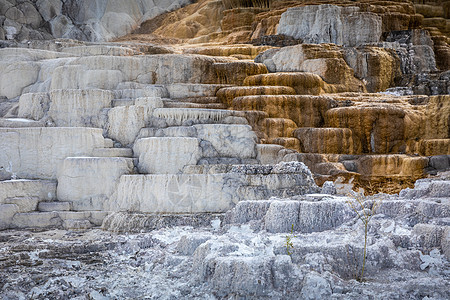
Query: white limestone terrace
(243, 254)
(116, 131)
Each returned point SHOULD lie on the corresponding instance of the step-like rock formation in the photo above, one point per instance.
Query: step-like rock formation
(174, 108)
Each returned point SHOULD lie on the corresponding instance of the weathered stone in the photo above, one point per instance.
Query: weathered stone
(426, 188)
(166, 154)
(229, 140)
(37, 152)
(36, 220)
(78, 108)
(380, 68)
(303, 83)
(372, 125)
(124, 123)
(33, 105)
(282, 216)
(88, 182)
(31, 15)
(7, 212)
(15, 76)
(54, 206)
(43, 190)
(327, 140)
(188, 244)
(330, 24)
(304, 110)
(49, 9)
(175, 193)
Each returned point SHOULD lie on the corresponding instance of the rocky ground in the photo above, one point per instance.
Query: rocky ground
(247, 253)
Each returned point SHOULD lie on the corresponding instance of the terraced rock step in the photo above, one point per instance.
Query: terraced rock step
(58, 219)
(113, 152)
(186, 104)
(199, 193)
(46, 206)
(122, 102)
(87, 182)
(19, 123)
(227, 94)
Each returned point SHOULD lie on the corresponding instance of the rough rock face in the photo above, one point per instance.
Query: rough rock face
(78, 19)
(318, 24)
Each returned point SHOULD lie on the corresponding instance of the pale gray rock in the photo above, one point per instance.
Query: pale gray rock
(37, 152)
(326, 23)
(285, 215)
(71, 224)
(125, 122)
(4, 6)
(49, 8)
(315, 287)
(88, 182)
(189, 243)
(229, 140)
(182, 90)
(166, 154)
(100, 50)
(242, 276)
(36, 220)
(176, 131)
(440, 162)
(44, 190)
(246, 211)
(33, 105)
(424, 188)
(24, 204)
(61, 27)
(323, 215)
(282, 216)
(15, 14)
(17, 75)
(176, 193)
(266, 58)
(7, 212)
(31, 16)
(54, 206)
(208, 149)
(430, 236)
(270, 153)
(78, 108)
(328, 188)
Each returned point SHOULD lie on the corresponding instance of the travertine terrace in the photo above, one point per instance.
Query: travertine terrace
(231, 125)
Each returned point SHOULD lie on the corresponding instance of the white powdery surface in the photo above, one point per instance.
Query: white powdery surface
(235, 261)
(243, 254)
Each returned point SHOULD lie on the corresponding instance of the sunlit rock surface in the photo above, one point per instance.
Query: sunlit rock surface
(219, 145)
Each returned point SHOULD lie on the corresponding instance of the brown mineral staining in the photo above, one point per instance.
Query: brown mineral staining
(304, 110)
(237, 51)
(226, 95)
(379, 67)
(236, 71)
(437, 112)
(304, 83)
(378, 128)
(327, 140)
(278, 127)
